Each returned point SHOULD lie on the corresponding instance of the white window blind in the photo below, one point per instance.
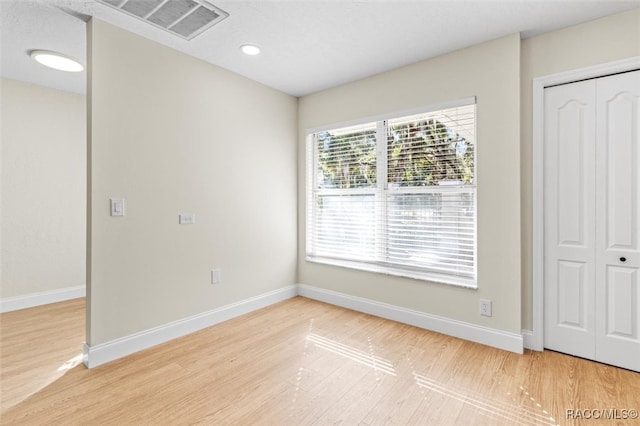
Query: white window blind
(396, 196)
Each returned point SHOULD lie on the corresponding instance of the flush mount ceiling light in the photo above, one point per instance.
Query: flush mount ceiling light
(56, 60)
(250, 49)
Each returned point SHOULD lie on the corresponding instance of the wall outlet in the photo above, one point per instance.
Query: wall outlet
(216, 276)
(186, 218)
(485, 307)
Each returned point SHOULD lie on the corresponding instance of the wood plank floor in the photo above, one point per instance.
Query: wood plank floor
(298, 362)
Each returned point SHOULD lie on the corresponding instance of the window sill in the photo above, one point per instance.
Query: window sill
(432, 277)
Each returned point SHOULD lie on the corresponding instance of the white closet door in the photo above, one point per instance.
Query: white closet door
(569, 182)
(618, 220)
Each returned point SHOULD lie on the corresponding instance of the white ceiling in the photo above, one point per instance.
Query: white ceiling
(307, 45)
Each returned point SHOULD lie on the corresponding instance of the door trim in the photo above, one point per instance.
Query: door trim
(536, 342)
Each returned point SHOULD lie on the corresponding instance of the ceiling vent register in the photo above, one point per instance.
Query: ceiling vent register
(184, 18)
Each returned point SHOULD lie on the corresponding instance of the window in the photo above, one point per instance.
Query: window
(396, 195)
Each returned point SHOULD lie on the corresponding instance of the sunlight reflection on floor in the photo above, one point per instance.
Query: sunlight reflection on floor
(301, 371)
(364, 358)
(76, 360)
(514, 413)
(40, 382)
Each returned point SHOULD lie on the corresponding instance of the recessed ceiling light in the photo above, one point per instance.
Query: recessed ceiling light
(250, 49)
(56, 60)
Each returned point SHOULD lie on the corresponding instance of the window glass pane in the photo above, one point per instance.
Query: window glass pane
(347, 157)
(432, 149)
(345, 226)
(417, 216)
(433, 230)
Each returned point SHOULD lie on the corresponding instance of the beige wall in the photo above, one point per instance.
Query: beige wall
(43, 189)
(604, 40)
(490, 71)
(172, 134)
(167, 132)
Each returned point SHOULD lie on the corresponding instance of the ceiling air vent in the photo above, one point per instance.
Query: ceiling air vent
(184, 18)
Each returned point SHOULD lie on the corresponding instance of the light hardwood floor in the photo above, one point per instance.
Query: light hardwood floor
(297, 362)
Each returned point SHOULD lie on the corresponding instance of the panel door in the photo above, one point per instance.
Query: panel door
(569, 206)
(618, 220)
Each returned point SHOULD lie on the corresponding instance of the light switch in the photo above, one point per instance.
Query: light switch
(117, 206)
(216, 276)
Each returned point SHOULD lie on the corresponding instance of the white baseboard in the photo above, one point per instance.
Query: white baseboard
(109, 351)
(512, 342)
(106, 352)
(530, 341)
(42, 298)
(527, 335)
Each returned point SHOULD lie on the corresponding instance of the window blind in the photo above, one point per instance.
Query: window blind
(396, 196)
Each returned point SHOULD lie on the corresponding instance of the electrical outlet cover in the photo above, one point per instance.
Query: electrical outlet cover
(485, 307)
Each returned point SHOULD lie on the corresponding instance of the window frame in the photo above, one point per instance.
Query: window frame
(383, 189)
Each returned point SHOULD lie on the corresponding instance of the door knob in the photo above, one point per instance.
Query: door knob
(623, 259)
